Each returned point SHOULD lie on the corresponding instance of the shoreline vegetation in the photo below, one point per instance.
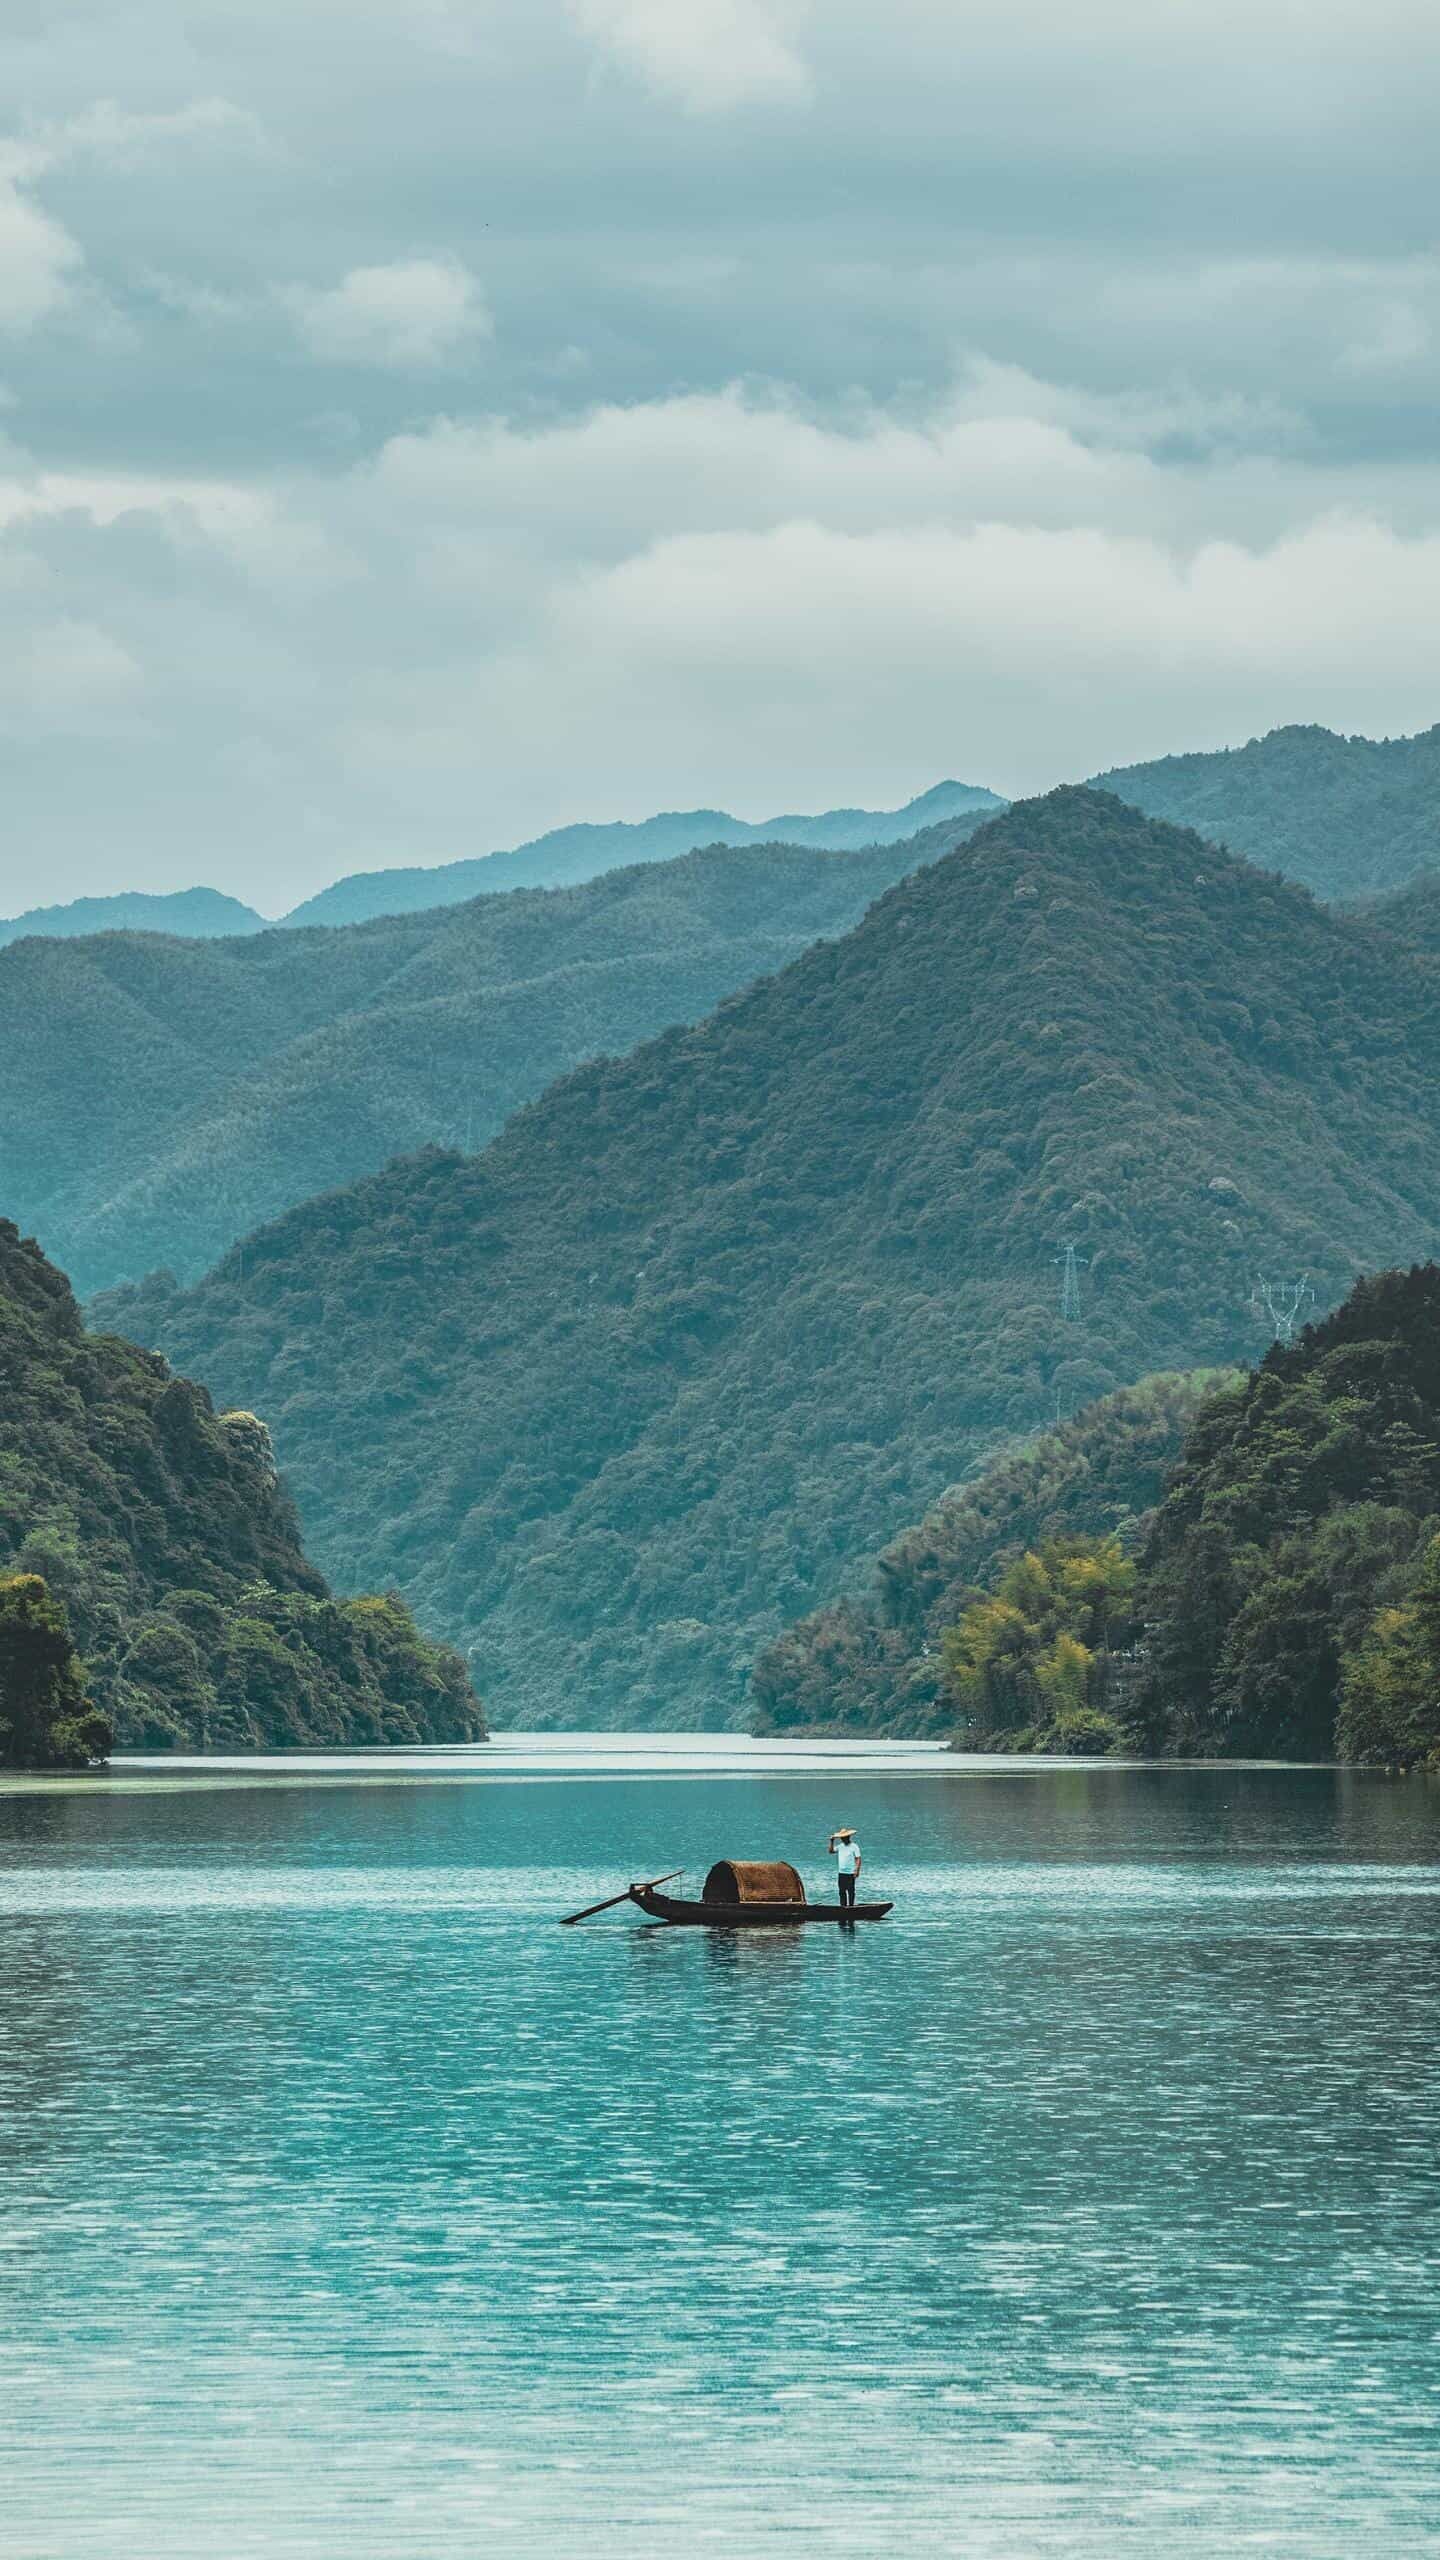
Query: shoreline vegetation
(1279, 1599)
(153, 1587)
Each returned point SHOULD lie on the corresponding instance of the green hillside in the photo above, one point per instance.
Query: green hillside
(1306, 1501)
(200, 914)
(164, 1531)
(163, 1097)
(871, 1662)
(568, 855)
(1348, 816)
(707, 1325)
(1412, 914)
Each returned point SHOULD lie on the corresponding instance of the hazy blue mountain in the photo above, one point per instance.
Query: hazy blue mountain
(570, 854)
(705, 1326)
(197, 914)
(1348, 816)
(163, 1097)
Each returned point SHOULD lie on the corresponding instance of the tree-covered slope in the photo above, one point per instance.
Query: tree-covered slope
(200, 914)
(568, 855)
(164, 1531)
(706, 1325)
(1348, 816)
(871, 1662)
(164, 1097)
(1304, 1503)
(1412, 914)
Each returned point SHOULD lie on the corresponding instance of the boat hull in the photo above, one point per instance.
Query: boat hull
(749, 1915)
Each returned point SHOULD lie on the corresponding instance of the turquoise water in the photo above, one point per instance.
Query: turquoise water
(350, 2208)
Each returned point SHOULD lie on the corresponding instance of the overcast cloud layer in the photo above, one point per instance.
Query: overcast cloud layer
(429, 421)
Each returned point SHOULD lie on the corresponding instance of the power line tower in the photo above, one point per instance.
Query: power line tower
(1069, 1262)
(1282, 1303)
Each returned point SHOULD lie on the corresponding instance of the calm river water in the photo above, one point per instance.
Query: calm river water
(351, 2209)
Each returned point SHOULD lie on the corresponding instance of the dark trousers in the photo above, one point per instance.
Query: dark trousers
(847, 1892)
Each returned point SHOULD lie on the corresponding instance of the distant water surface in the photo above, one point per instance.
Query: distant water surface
(352, 2210)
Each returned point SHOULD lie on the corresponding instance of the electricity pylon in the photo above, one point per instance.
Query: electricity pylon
(1282, 1301)
(1070, 1263)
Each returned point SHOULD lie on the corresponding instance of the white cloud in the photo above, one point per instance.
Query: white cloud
(121, 138)
(407, 317)
(705, 601)
(705, 55)
(39, 261)
(1193, 493)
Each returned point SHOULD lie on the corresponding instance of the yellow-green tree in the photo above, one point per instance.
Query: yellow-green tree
(1031, 1658)
(46, 1719)
(1390, 1683)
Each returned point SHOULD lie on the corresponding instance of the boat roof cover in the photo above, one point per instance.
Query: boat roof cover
(753, 1880)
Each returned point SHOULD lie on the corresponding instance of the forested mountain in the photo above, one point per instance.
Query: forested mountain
(1288, 1586)
(1412, 914)
(706, 1325)
(568, 855)
(163, 1097)
(162, 1529)
(1348, 816)
(198, 914)
(872, 1662)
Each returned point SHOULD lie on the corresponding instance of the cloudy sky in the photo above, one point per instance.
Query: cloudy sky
(429, 421)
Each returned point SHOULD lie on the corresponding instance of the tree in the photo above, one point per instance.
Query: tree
(1029, 1663)
(46, 1718)
(1390, 1684)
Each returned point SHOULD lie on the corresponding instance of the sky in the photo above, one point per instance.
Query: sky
(425, 422)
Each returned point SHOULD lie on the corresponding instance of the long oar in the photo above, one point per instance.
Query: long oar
(591, 1908)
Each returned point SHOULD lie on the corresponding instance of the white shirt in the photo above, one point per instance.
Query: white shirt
(847, 1857)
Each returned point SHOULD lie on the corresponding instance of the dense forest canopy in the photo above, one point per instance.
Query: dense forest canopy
(1030, 1665)
(1412, 914)
(1226, 1565)
(1347, 816)
(706, 1325)
(47, 1717)
(161, 1530)
(163, 1097)
(1305, 1503)
(872, 1662)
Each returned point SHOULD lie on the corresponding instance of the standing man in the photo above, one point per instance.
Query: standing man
(845, 1850)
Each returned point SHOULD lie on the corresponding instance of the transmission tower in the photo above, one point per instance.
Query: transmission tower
(1281, 1302)
(1069, 1263)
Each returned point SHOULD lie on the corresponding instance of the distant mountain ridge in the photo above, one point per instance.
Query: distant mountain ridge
(560, 859)
(707, 1325)
(163, 1097)
(1350, 817)
(197, 914)
(568, 855)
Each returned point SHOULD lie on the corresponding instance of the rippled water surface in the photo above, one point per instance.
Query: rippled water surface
(351, 2209)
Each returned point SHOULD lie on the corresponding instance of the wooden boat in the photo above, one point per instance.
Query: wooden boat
(746, 1915)
(740, 1893)
(748, 1893)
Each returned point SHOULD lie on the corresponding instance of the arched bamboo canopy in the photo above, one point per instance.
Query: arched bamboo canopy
(753, 1880)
